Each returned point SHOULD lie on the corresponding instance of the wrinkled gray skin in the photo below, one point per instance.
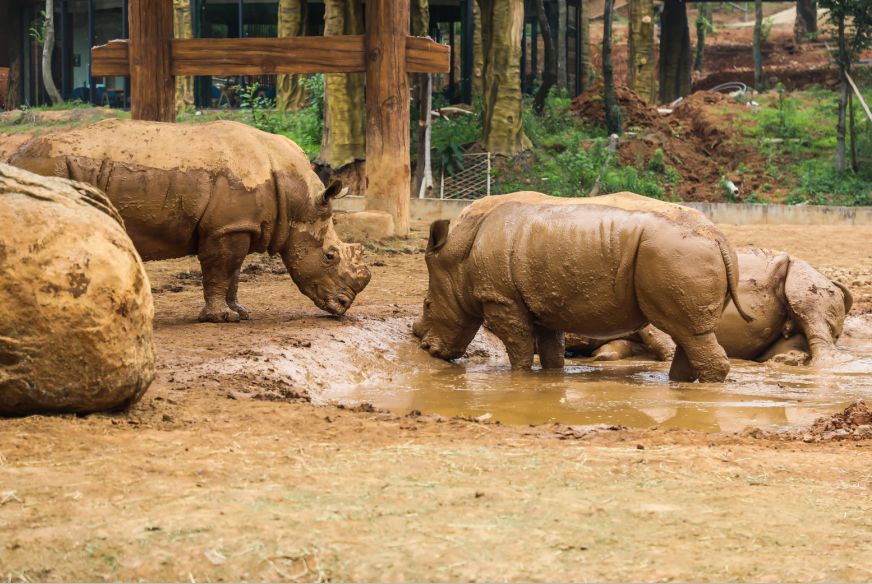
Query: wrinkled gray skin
(796, 309)
(614, 263)
(220, 191)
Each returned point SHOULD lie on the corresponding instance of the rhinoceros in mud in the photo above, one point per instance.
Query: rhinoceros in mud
(75, 303)
(605, 264)
(221, 191)
(796, 308)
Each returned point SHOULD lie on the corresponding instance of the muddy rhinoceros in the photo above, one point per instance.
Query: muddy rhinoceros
(75, 303)
(796, 308)
(602, 267)
(220, 191)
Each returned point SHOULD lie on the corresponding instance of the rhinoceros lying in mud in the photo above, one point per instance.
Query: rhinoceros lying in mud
(796, 308)
(75, 303)
(221, 191)
(599, 266)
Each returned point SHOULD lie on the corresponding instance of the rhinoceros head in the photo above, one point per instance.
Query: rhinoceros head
(448, 322)
(818, 306)
(325, 269)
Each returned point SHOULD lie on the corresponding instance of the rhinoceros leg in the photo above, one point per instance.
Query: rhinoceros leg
(232, 301)
(220, 260)
(551, 348)
(513, 325)
(617, 350)
(681, 369)
(699, 357)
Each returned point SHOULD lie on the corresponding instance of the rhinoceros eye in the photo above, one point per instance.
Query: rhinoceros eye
(330, 254)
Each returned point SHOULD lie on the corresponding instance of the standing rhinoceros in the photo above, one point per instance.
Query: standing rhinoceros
(795, 308)
(221, 191)
(603, 267)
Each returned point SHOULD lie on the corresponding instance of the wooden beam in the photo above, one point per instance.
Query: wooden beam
(265, 56)
(152, 83)
(388, 165)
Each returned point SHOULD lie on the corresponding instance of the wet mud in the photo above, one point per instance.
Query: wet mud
(225, 472)
(369, 356)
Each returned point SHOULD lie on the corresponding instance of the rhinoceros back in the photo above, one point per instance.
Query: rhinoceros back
(172, 181)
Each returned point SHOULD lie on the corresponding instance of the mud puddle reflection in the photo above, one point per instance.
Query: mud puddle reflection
(632, 393)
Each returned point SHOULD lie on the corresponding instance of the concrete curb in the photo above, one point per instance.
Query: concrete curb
(728, 213)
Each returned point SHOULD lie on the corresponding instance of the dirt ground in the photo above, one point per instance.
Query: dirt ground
(225, 471)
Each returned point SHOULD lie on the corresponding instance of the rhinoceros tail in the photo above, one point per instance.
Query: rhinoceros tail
(732, 279)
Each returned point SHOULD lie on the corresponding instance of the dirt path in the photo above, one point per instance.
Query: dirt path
(203, 482)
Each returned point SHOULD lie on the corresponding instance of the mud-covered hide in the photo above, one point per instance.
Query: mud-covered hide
(75, 302)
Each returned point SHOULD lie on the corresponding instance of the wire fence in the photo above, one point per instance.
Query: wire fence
(472, 181)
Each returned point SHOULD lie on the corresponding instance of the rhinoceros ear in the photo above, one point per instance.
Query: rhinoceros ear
(848, 298)
(438, 235)
(334, 191)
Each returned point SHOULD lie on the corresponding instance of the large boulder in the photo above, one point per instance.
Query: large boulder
(75, 302)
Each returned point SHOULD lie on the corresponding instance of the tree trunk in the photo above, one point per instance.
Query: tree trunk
(423, 165)
(549, 71)
(805, 24)
(501, 28)
(290, 94)
(852, 132)
(613, 112)
(703, 21)
(641, 60)
(344, 139)
(562, 75)
(675, 59)
(47, 50)
(841, 147)
(183, 29)
(424, 100)
(758, 46)
(587, 74)
(477, 53)
(13, 89)
(388, 164)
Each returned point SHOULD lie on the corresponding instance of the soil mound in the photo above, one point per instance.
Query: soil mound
(697, 113)
(696, 139)
(854, 423)
(635, 111)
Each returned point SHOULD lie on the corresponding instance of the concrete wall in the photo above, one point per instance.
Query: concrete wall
(731, 213)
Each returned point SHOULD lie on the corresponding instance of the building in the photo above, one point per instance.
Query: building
(81, 24)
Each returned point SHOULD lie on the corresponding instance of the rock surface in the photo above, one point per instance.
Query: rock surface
(75, 303)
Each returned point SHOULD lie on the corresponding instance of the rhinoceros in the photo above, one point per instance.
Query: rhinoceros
(220, 191)
(602, 267)
(796, 308)
(75, 303)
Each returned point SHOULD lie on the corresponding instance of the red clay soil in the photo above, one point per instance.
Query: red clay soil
(696, 140)
(728, 56)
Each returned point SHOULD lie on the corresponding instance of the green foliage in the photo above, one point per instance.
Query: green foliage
(821, 184)
(459, 130)
(305, 127)
(766, 28)
(657, 162)
(855, 18)
(627, 178)
(450, 158)
(57, 107)
(756, 199)
(38, 28)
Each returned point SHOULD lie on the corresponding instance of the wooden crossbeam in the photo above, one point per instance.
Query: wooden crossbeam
(269, 56)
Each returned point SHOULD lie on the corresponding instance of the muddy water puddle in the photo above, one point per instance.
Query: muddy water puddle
(633, 393)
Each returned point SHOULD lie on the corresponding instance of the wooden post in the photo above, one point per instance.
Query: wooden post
(387, 111)
(151, 78)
